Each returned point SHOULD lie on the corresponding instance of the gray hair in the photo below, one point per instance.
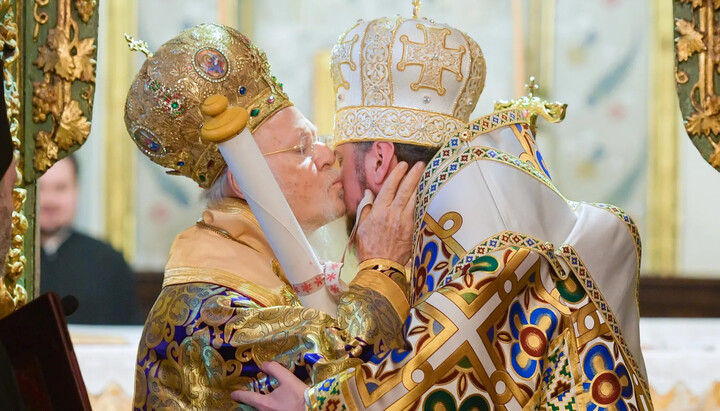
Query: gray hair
(216, 192)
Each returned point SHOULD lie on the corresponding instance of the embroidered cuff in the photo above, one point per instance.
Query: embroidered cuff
(382, 283)
(381, 264)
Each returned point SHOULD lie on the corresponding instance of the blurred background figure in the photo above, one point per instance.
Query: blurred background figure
(74, 263)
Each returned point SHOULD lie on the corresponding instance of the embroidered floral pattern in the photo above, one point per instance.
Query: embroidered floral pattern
(531, 333)
(609, 384)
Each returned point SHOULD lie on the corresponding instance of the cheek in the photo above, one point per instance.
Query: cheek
(352, 189)
(283, 173)
(303, 177)
(294, 182)
(70, 201)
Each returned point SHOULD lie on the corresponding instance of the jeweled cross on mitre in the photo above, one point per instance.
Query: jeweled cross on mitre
(433, 56)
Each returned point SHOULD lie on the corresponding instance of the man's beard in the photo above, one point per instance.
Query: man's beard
(362, 181)
(330, 212)
(327, 208)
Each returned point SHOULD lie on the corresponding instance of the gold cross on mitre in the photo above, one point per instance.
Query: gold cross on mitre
(534, 106)
(343, 55)
(433, 57)
(138, 45)
(531, 87)
(416, 8)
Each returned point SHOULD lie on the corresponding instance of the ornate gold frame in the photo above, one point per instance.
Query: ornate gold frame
(662, 208)
(662, 218)
(12, 293)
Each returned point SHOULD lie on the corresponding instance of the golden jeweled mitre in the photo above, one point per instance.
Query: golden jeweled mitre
(405, 81)
(162, 111)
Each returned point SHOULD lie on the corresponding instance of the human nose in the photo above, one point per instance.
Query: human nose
(324, 157)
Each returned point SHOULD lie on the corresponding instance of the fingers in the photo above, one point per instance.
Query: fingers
(248, 397)
(409, 184)
(390, 185)
(409, 210)
(276, 370)
(285, 379)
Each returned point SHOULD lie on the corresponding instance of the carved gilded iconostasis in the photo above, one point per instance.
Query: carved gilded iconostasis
(49, 82)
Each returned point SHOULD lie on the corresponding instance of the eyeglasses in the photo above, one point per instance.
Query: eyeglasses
(306, 146)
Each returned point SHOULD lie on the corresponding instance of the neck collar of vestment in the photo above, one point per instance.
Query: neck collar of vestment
(227, 247)
(234, 218)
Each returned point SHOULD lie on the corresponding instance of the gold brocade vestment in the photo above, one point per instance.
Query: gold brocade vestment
(224, 310)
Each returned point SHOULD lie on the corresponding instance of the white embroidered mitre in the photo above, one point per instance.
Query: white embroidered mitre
(405, 81)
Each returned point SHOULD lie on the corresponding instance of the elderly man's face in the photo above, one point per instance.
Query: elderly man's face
(310, 184)
(57, 197)
(6, 208)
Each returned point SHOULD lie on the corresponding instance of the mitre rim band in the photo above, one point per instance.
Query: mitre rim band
(393, 124)
(267, 103)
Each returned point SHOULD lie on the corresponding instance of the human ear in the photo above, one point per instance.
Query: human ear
(232, 189)
(384, 161)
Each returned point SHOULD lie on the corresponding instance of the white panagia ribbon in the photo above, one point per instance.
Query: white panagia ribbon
(268, 204)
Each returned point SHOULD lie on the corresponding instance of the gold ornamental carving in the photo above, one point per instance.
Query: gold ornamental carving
(138, 45)
(61, 69)
(85, 9)
(65, 59)
(534, 106)
(697, 46)
(13, 294)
